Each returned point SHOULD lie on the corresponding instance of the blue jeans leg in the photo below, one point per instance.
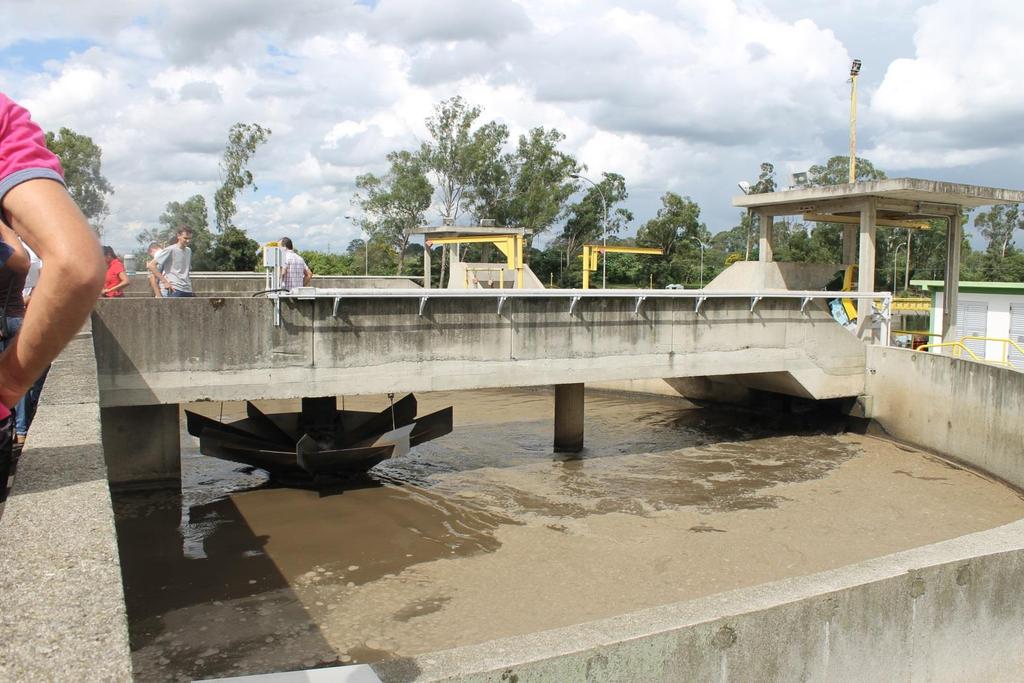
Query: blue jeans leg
(25, 411)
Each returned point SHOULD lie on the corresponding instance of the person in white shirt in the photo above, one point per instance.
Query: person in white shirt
(296, 273)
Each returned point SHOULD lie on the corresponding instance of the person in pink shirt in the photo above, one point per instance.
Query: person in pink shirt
(35, 203)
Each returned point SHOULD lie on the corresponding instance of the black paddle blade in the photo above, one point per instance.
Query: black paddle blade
(405, 413)
(267, 427)
(196, 424)
(432, 426)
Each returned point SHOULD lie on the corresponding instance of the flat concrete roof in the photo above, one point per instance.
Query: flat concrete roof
(905, 189)
(977, 286)
(466, 231)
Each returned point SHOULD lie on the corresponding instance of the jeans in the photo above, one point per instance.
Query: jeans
(25, 411)
(176, 293)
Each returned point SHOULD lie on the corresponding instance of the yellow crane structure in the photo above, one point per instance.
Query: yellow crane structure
(509, 244)
(591, 251)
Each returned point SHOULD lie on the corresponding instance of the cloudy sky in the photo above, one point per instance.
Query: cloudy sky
(687, 96)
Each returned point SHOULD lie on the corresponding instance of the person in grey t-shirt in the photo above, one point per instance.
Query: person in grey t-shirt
(171, 265)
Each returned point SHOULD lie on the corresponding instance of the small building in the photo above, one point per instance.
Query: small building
(984, 309)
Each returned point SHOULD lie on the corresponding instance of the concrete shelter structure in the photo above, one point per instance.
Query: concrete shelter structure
(863, 206)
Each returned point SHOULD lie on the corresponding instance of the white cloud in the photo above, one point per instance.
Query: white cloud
(960, 99)
(688, 96)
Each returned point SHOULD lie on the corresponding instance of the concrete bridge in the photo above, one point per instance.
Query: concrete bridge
(152, 355)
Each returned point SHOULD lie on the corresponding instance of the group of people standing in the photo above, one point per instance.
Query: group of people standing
(169, 269)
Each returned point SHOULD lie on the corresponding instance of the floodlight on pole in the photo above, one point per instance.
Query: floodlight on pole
(604, 230)
(854, 72)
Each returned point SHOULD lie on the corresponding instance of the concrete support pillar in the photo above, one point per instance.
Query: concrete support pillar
(849, 245)
(866, 268)
(568, 418)
(426, 264)
(766, 242)
(950, 295)
(142, 445)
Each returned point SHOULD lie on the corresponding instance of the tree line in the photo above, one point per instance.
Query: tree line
(469, 169)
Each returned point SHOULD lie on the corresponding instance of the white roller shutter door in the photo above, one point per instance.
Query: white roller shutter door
(1017, 334)
(972, 321)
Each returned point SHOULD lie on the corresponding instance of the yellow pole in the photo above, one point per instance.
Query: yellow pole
(586, 266)
(519, 260)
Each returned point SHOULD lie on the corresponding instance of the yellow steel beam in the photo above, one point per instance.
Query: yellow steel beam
(855, 220)
(591, 251)
(625, 250)
(469, 239)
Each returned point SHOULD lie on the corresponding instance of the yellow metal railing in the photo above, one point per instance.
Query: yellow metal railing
(961, 345)
(1007, 343)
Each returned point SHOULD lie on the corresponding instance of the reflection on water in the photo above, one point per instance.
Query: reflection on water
(229, 576)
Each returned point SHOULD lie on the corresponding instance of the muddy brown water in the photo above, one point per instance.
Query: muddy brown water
(485, 533)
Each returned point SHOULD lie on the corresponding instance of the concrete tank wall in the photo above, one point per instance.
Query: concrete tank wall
(151, 351)
(246, 284)
(966, 410)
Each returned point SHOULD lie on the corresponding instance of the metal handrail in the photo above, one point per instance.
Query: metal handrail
(396, 293)
(954, 344)
(1003, 340)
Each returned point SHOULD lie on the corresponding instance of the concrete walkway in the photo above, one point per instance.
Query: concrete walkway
(62, 615)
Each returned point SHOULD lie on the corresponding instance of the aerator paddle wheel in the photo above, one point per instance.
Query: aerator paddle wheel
(320, 442)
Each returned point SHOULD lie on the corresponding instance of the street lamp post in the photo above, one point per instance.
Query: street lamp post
(366, 248)
(702, 245)
(895, 256)
(604, 229)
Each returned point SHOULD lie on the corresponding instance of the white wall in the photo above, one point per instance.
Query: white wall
(998, 323)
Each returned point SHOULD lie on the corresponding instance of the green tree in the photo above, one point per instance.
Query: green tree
(836, 171)
(458, 156)
(530, 188)
(232, 249)
(192, 213)
(765, 181)
(243, 139)
(81, 159)
(395, 203)
(998, 226)
(323, 263)
(677, 220)
(587, 216)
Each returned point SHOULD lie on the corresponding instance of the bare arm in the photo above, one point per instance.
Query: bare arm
(158, 276)
(307, 277)
(43, 214)
(122, 282)
(154, 286)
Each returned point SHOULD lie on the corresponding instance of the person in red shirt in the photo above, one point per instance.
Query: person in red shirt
(117, 279)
